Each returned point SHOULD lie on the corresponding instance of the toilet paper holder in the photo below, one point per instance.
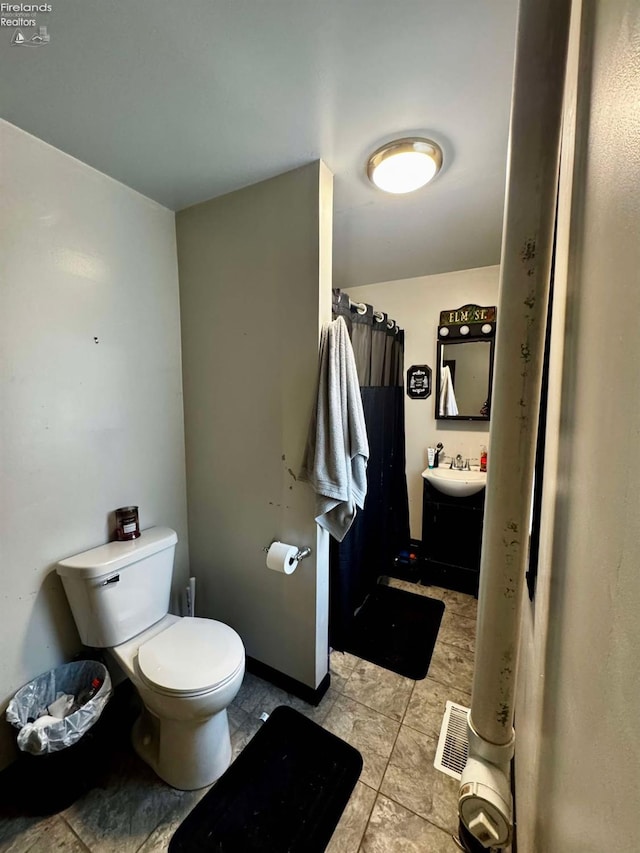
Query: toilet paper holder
(302, 552)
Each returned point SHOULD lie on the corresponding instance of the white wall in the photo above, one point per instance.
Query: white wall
(90, 384)
(415, 304)
(578, 750)
(254, 288)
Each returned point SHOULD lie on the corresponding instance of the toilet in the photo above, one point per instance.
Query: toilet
(186, 670)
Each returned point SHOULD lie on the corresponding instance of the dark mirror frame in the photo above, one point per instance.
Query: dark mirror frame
(473, 318)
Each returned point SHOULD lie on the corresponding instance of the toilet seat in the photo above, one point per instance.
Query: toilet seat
(192, 656)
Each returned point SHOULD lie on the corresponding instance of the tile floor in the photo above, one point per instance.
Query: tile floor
(401, 804)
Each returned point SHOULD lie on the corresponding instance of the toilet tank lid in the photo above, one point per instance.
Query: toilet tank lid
(113, 556)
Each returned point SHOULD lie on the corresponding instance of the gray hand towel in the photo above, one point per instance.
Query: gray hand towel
(337, 451)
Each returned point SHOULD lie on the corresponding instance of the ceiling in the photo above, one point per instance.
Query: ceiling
(188, 100)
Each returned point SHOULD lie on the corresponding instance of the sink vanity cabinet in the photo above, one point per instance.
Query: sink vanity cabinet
(453, 495)
(453, 498)
(451, 539)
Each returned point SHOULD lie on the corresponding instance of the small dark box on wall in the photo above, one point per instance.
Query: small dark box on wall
(419, 381)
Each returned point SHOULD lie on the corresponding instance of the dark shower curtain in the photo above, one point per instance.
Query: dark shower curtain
(381, 529)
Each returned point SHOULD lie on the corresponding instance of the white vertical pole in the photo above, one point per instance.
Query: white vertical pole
(527, 243)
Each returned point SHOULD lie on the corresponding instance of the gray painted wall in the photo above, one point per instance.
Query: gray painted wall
(578, 751)
(90, 388)
(254, 288)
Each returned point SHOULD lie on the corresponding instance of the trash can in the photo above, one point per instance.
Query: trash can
(60, 758)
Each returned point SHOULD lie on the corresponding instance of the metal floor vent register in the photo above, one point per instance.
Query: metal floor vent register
(453, 744)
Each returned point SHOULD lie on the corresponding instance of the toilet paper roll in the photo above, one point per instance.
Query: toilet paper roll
(281, 557)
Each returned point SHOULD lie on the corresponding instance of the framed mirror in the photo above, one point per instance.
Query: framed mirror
(464, 374)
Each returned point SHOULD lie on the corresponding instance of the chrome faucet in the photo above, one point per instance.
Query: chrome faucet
(460, 464)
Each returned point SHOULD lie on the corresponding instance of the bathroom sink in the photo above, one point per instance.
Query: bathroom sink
(460, 484)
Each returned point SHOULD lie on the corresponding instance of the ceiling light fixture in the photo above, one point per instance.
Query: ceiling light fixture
(404, 165)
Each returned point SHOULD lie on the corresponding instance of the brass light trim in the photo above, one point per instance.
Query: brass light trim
(407, 145)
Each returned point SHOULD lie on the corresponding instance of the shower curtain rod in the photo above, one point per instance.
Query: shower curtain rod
(361, 308)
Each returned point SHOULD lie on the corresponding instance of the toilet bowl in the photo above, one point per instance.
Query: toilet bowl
(186, 670)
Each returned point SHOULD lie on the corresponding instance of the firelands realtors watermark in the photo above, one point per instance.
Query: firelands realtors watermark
(27, 31)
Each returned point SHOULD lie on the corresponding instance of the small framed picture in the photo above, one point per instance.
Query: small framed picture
(419, 381)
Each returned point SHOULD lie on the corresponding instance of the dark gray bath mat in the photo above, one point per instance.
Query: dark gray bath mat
(284, 793)
(397, 630)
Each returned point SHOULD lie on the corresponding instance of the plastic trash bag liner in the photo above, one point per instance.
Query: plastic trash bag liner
(35, 697)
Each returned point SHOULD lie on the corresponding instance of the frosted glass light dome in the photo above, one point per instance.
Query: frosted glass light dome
(404, 165)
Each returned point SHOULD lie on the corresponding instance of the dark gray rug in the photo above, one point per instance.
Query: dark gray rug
(397, 630)
(284, 793)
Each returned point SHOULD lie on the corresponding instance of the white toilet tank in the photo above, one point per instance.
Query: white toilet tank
(119, 589)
